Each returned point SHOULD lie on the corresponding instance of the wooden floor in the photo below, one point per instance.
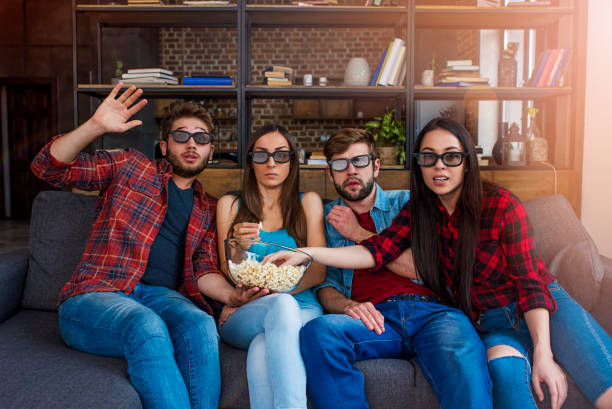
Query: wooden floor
(13, 234)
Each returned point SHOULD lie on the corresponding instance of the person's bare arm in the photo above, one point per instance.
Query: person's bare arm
(404, 266)
(315, 236)
(111, 116)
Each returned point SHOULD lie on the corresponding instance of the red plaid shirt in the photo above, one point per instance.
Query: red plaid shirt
(505, 270)
(130, 210)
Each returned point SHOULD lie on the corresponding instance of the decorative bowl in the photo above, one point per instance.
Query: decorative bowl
(244, 263)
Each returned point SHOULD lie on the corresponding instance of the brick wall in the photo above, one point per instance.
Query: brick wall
(319, 51)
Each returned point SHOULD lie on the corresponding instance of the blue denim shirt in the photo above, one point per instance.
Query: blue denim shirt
(386, 206)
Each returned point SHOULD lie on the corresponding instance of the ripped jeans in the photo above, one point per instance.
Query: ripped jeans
(578, 343)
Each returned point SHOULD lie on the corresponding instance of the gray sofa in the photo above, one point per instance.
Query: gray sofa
(39, 371)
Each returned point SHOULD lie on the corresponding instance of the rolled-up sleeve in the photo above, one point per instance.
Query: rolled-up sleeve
(392, 241)
(86, 172)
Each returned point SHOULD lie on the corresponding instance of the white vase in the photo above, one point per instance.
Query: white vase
(357, 72)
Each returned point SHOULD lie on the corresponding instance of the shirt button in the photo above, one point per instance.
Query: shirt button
(348, 287)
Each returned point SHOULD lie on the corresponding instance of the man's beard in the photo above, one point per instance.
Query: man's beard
(182, 171)
(359, 195)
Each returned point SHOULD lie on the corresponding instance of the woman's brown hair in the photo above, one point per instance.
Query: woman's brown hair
(294, 219)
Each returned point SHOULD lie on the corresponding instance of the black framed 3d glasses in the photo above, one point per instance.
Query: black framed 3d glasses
(200, 137)
(359, 161)
(264, 156)
(429, 159)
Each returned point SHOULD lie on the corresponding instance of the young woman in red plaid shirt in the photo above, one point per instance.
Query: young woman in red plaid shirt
(473, 245)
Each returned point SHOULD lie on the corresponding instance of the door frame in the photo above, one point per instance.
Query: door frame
(5, 169)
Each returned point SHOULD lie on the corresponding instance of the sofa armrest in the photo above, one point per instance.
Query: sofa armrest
(13, 268)
(603, 309)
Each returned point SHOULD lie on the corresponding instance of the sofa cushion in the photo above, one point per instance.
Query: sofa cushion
(566, 248)
(39, 371)
(60, 224)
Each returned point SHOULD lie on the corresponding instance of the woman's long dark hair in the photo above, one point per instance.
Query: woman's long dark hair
(424, 217)
(294, 219)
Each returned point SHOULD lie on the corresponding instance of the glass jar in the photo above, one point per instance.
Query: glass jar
(514, 148)
(537, 147)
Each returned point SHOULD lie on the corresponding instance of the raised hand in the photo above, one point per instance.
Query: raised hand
(345, 222)
(114, 113)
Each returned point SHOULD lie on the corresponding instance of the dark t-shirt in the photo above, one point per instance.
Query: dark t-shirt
(377, 286)
(167, 256)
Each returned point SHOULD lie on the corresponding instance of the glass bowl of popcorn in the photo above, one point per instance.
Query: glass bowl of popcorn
(244, 263)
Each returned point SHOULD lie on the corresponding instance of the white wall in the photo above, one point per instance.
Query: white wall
(597, 160)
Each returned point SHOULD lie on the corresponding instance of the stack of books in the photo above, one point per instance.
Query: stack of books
(317, 158)
(144, 2)
(210, 80)
(206, 2)
(551, 68)
(278, 75)
(460, 73)
(391, 69)
(149, 76)
(314, 2)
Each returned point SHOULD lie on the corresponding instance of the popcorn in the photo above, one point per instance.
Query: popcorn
(270, 276)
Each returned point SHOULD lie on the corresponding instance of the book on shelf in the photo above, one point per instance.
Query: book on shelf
(145, 2)
(278, 81)
(459, 78)
(314, 2)
(555, 67)
(149, 71)
(561, 75)
(458, 84)
(378, 68)
(549, 67)
(540, 63)
(396, 47)
(206, 2)
(150, 81)
(550, 61)
(471, 74)
(208, 80)
(455, 63)
(150, 74)
(461, 68)
(274, 74)
(282, 68)
(395, 79)
(384, 63)
(537, 3)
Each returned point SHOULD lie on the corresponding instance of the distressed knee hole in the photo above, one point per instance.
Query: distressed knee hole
(501, 351)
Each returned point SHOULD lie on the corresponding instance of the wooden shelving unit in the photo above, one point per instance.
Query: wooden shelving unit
(560, 25)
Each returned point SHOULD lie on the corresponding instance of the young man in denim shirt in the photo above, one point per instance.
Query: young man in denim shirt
(440, 338)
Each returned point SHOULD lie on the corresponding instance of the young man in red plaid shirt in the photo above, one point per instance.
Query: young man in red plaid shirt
(151, 255)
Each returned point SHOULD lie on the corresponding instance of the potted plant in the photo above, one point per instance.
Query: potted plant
(390, 136)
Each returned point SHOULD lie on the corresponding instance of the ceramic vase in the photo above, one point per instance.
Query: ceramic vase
(357, 72)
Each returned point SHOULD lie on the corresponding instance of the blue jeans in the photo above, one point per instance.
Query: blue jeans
(171, 346)
(269, 328)
(441, 339)
(578, 343)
